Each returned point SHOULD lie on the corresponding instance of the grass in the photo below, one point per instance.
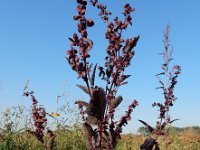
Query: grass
(185, 140)
(74, 140)
(15, 121)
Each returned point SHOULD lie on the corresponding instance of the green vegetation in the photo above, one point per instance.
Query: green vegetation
(13, 135)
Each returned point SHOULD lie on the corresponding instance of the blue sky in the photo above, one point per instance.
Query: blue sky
(33, 44)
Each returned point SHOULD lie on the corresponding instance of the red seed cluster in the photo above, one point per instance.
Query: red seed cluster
(124, 120)
(80, 46)
(39, 118)
(100, 129)
(171, 80)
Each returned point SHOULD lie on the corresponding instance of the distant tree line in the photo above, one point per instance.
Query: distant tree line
(144, 130)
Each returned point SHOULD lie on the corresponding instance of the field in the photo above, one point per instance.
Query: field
(14, 135)
(92, 122)
(74, 140)
(185, 140)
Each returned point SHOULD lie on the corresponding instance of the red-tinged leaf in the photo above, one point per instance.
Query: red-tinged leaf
(174, 120)
(125, 77)
(84, 88)
(131, 43)
(81, 103)
(115, 102)
(162, 73)
(151, 129)
(123, 83)
(149, 144)
(106, 133)
(92, 119)
(97, 103)
(71, 39)
(88, 130)
(161, 83)
(93, 76)
(89, 133)
(163, 125)
(161, 87)
(163, 67)
(161, 53)
(91, 66)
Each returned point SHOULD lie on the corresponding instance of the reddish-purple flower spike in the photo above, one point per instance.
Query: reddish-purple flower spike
(39, 118)
(168, 92)
(124, 120)
(100, 109)
(40, 121)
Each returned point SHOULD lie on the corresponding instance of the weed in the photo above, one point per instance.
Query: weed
(100, 129)
(167, 87)
(40, 121)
